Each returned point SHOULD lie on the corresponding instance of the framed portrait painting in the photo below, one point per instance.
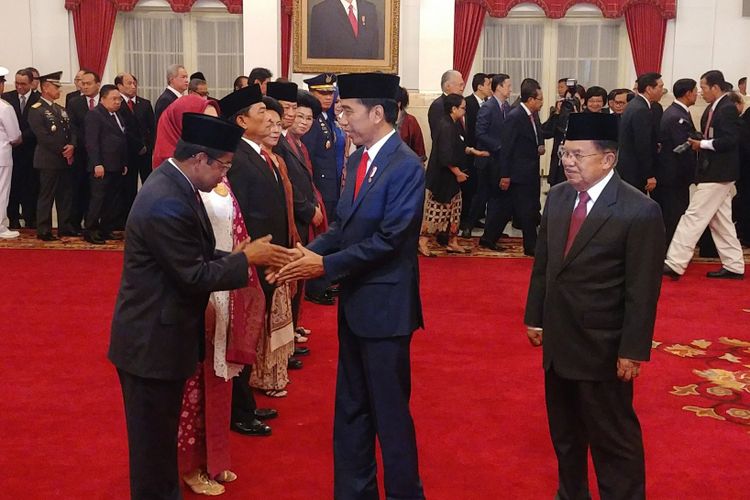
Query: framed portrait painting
(343, 36)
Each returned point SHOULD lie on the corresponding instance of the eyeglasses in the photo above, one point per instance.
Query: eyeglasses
(562, 153)
(224, 164)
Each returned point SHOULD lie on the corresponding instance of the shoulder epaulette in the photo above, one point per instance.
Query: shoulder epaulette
(36, 105)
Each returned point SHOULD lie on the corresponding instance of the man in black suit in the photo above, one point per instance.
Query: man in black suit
(452, 82)
(24, 186)
(78, 109)
(107, 151)
(77, 92)
(140, 127)
(177, 84)
(592, 303)
(171, 266)
(711, 203)
(261, 76)
(637, 144)
(482, 86)
(490, 123)
(618, 101)
(260, 194)
(344, 32)
(675, 171)
(522, 145)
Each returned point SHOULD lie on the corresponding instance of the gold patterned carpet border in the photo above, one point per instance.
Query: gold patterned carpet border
(29, 241)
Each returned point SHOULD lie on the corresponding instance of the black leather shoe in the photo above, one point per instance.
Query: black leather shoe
(14, 224)
(465, 233)
(252, 428)
(69, 233)
(294, 364)
(442, 239)
(301, 351)
(528, 253)
(725, 274)
(323, 300)
(265, 413)
(490, 246)
(333, 291)
(46, 237)
(93, 238)
(113, 237)
(668, 271)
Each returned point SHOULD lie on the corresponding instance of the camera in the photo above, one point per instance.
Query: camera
(685, 146)
(570, 103)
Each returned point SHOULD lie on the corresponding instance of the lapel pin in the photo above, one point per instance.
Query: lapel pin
(363, 21)
(372, 173)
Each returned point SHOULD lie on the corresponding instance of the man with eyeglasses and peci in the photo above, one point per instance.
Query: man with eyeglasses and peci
(592, 306)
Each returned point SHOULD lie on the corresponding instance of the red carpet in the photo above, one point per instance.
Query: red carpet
(478, 396)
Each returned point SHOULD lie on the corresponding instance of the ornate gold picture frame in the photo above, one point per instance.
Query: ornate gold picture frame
(328, 37)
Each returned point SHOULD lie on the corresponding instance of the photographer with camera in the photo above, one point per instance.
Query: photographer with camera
(675, 169)
(557, 124)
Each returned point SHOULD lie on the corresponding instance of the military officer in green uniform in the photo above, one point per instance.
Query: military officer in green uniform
(53, 158)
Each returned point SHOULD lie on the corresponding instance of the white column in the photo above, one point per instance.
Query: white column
(261, 35)
(435, 42)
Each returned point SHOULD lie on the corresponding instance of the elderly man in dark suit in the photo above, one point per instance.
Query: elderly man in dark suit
(107, 151)
(170, 268)
(592, 303)
(637, 135)
(177, 84)
(77, 92)
(24, 188)
(675, 171)
(371, 248)
(451, 82)
(339, 31)
(490, 122)
(711, 203)
(522, 145)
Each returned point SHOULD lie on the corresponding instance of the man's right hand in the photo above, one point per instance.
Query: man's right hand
(262, 252)
(67, 151)
(317, 217)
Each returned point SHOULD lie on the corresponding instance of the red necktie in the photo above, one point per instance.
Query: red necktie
(708, 122)
(131, 104)
(361, 171)
(267, 157)
(91, 103)
(353, 21)
(576, 220)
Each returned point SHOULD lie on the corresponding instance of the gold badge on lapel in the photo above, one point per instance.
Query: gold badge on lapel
(363, 21)
(221, 189)
(328, 144)
(372, 173)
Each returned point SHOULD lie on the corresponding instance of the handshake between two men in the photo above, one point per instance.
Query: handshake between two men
(283, 265)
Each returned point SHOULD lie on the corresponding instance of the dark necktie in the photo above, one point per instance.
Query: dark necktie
(91, 103)
(505, 107)
(23, 103)
(353, 21)
(576, 219)
(131, 104)
(707, 129)
(361, 171)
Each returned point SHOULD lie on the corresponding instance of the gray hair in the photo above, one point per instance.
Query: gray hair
(194, 83)
(172, 71)
(447, 76)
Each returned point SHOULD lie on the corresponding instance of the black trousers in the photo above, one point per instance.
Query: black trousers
(80, 191)
(673, 200)
(24, 189)
(106, 192)
(468, 190)
(152, 414)
(373, 387)
(598, 415)
(54, 187)
(519, 203)
(480, 198)
(137, 166)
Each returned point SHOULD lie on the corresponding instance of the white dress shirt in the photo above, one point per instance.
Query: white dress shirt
(595, 191)
(353, 3)
(373, 150)
(709, 143)
(174, 91)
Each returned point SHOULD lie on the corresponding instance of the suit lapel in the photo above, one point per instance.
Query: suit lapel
(558, 232)
(599, 214)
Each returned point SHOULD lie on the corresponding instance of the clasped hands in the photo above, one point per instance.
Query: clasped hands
(627, 369)
(282, 264)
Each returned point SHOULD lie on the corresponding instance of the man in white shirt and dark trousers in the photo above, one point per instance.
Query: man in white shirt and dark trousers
(711, 204)
(10, 135)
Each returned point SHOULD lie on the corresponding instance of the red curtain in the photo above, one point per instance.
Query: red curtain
(468, 25)
(94, 22)
(287, 7)
(646, 30)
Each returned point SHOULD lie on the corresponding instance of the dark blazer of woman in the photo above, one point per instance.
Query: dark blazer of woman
(448, 149)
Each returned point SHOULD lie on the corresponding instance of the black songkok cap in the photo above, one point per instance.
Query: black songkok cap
(592, 127)
(324, 82)
(210, 132)
(53, 78)
(368, 86)
(282, 91)
(198, 76)
(239, 100)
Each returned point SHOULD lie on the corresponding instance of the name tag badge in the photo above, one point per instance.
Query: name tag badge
(328, 144)
(372, 173)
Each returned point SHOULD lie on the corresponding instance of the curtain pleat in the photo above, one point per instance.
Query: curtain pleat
(646, 31)
(468, 24)
(94, 23)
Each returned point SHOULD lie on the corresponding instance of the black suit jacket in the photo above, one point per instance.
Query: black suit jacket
(435, 114)
(26, 148)
(170, 268)
(261, 199)
(722, 164)
(635, 162)
(597, 303)
(140, 126)
(331, 34)
(77, 109)
(519, 156)
(165, 99)
(470, 119)
(490, 121)
(71, 95)
(675, 170)
(106, 143)
(304, 200)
